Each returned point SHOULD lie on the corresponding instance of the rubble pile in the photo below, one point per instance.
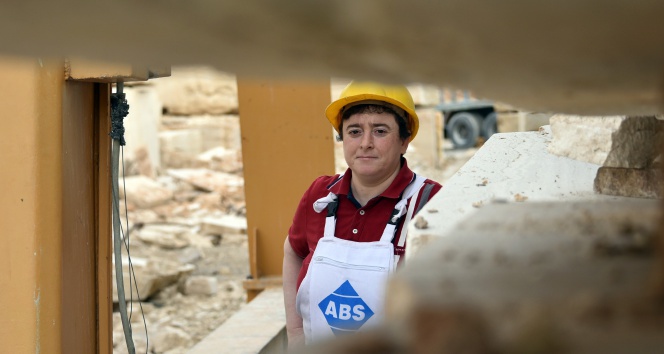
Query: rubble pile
(185, 211)
(188, 247)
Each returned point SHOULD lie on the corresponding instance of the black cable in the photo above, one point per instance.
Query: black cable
(132, 275)
(119, 110)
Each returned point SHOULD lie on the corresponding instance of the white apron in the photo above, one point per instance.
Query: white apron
(344, 288)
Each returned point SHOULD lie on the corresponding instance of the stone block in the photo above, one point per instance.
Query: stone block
(144, 192)
(198, 90)
(168, 338)
(217, 131)
(516, 121)
(425, 95)
(179, 147)
(427, 148)
(165, 236)
(529, 272)
(533, 121)
(151, 276)
(222, 159)
(616, 141)
(230, 186)
(201, 285)
(630, 182)
(141, 128)
(507, 122)
(227, 224)
(222, 130)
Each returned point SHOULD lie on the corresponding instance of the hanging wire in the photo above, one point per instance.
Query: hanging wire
(132, 275)
(119, 110)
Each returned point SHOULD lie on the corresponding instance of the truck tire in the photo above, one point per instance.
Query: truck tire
(463, 129)
(489, 125)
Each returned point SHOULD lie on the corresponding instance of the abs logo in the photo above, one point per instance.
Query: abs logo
(344, 310)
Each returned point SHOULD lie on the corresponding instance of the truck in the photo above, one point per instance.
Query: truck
(467, 118)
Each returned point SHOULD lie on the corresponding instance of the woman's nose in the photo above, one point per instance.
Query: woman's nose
(367, 141)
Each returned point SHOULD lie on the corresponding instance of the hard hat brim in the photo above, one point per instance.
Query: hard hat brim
(334, 109)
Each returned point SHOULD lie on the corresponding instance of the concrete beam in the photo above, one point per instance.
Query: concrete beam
(565, 56)
(259, 327)
(96, 71)
(509, 168)
(533, 277)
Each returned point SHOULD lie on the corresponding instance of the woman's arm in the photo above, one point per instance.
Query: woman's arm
(291, 271)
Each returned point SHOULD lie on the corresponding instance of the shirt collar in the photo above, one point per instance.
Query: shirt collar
(400, 182)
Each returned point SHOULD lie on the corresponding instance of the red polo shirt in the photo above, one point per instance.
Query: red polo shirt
(356, 223)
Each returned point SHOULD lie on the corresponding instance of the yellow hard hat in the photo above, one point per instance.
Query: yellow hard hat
(356, 92)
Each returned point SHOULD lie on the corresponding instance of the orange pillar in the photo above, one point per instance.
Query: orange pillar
(55, 289)
(31, 205)
(286, 143)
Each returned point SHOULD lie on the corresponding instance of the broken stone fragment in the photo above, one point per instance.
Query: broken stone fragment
(151, 276)
(144, 192)
(227, 224)
(616, 141)
(630, 182)
(201, 285)
(221, 159)
(168, 338)
(198, 90)
(210, 181)
(164, 235)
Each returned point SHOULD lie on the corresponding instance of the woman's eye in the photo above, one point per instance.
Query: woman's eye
(354, 132)
(380, 132)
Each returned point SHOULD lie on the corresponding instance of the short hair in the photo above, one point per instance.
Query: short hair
(404, 133)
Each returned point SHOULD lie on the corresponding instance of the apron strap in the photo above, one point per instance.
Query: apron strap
(404, 230)
(409, 215)
(329, 202)
(400, 209)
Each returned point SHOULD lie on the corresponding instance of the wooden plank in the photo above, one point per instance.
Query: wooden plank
(103, 220)
(79, 320)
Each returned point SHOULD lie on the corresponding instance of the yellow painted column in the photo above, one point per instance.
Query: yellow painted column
(55, 267)
(30, 207)
(286, 143)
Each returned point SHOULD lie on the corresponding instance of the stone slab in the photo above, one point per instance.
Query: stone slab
(509, 168)
(249, 331)
(568, 274)
(227, 224)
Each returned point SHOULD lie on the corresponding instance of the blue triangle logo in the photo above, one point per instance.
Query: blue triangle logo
(345, 289)
(344, 310)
